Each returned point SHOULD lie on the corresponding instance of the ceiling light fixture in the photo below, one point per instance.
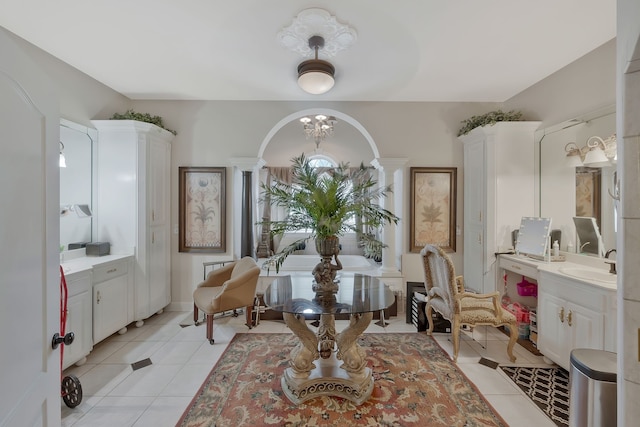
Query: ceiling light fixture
(597, 153)
(318, 128)
(315, 76)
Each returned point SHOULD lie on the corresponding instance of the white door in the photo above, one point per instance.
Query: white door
(29, 232)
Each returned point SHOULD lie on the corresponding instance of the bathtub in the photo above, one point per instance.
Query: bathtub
(306, 263)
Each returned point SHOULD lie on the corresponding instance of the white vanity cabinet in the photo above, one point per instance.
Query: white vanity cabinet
(79, 317)
(499, 171)
(573, 314)
(133, 188)
(113, 301)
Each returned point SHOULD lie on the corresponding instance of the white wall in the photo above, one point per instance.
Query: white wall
(210, 133)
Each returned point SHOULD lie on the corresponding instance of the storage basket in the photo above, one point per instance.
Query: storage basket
(521, 312)
(527, 289)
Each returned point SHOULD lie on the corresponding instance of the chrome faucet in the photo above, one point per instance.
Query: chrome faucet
(612, 264)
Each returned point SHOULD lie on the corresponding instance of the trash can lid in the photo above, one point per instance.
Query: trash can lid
(599, 365)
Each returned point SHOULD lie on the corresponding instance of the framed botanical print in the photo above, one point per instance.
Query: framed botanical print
(433, 208)
(202, 209)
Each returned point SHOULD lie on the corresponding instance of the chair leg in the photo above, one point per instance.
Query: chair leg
(428, 311)
(513, 337)
(248, 309)
(210, 328)
(455, 332)
(195, 314)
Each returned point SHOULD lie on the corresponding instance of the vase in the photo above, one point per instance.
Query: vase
(324, 273)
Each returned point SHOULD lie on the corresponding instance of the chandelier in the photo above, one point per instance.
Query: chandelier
(318, 128)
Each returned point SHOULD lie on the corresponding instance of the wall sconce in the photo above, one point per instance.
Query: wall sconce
(82, 211)
(597, 153)
(63, 162)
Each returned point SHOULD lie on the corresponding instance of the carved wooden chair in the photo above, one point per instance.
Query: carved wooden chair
(227, 288)
(446, 295)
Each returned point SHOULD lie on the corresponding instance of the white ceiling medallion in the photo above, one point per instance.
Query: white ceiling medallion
(317, 22)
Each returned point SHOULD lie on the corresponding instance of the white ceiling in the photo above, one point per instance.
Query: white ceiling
(406, 50)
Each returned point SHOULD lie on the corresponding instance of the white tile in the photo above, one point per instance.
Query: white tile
(630, 182)
(100, 380)
(630, 339)
(115, 411)
(158, 394)
(147, 381)
(171, 353)
(164, 411)
(188, 380)
(488, 380)
(631, 407)
(133, 351)
(629, 267)
(158, 332)
(519, 411)
(103, 350)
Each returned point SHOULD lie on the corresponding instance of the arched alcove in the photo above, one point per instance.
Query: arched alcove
(351, 142)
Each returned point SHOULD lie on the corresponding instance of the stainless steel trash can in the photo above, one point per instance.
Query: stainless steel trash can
(592, 388)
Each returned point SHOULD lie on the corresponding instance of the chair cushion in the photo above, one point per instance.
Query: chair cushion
(242, 266)
(477, 311)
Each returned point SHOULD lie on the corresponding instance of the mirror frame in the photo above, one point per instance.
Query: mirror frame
(92, 135)
(540, 135)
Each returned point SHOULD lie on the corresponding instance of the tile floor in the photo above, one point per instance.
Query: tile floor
(156, 396)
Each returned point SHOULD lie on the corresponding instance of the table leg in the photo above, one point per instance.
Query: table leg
(351, 354)
(302, 355)
(303, 380)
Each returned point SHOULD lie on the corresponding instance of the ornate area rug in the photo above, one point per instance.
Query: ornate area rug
(546, 387)
(416, 384)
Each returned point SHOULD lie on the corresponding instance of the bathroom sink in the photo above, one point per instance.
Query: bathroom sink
(589, 274)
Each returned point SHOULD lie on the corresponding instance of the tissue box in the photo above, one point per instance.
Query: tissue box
(98, 248)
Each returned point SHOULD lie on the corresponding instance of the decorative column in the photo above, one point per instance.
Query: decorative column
(246, 234)
(387, 167)
(244, 202)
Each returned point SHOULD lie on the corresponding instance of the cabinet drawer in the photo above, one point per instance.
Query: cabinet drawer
(519, 268)
(109, 271)
(78, 282)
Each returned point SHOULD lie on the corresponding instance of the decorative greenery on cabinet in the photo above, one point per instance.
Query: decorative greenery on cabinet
(142, 117)
(490, 118)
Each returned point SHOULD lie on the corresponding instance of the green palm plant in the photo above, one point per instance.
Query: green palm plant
(325, 203)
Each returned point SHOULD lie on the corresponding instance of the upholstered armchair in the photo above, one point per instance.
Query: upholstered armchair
(446, 295)
(228, 288)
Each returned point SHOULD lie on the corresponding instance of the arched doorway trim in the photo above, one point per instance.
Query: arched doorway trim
(326, 111)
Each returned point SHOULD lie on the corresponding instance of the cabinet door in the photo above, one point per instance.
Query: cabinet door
(474, 217)
(551, 328)
(586, 328)
(159, 280)
(158, 182)
(109, 307)
(79, 322)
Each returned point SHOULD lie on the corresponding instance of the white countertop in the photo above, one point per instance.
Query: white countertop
(84, 263)
(586, 265)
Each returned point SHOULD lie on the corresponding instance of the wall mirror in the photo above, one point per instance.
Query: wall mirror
(76, 182)
(568, 191)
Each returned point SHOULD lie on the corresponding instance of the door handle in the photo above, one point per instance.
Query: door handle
(67, 339)
(561, 314)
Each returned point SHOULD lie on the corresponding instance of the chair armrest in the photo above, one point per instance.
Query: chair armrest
(239, 292)
(218, 277)
(460, 283)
